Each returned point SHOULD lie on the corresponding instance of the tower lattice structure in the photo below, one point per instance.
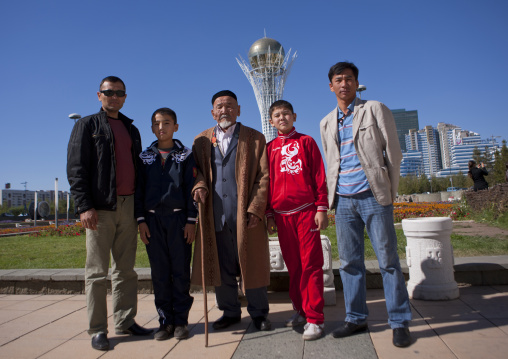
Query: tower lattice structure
(267, 71)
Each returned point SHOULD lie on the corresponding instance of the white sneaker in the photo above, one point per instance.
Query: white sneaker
(313, 331)
(295, 320)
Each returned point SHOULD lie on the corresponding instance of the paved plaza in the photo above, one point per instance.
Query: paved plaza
(54, 326)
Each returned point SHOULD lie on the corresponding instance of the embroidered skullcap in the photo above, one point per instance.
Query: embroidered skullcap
(223, 93)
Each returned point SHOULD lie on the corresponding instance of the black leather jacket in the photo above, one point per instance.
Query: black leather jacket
(91, 161)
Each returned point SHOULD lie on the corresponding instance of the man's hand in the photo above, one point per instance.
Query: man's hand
(189, 232)
(271, 226)
(321, 219)
(89, 219)
(200, 195)
(253, 220)
(144, 232)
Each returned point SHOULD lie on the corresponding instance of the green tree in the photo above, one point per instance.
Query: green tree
(487, 159)
(423, 184)
(497, 175)
(16, 210)
(460, 180)
(477, 155)
(408, 185)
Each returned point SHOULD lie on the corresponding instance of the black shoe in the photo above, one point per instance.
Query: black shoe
(135, 329)
(181, 332)
(401, 337)
(348, 328)
(100, 342)
(164, 332)
(262, 323)
(225, 322)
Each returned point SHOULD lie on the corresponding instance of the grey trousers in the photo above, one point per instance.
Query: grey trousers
(227, 293)
(116, 234)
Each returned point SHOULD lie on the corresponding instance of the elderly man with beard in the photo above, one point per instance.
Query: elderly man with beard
(231, 185)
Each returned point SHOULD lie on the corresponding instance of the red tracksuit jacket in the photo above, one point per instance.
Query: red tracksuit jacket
(297, 175)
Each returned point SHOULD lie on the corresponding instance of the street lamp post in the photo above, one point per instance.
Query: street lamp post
(75, 116)
(56, 203)
(360, 89)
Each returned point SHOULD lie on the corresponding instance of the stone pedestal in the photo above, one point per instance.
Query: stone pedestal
(429, 256)
(277, 265)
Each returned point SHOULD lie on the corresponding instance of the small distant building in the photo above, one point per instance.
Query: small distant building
(20, 197)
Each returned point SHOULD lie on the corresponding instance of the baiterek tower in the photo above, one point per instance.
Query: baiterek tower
(267, 70)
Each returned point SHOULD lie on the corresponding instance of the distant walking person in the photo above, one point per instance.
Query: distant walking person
(101, 168)
(363, 156)
(477, 173)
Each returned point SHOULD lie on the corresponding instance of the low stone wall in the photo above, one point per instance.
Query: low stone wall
(494, 198)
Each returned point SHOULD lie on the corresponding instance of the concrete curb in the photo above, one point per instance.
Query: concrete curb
(477, 271)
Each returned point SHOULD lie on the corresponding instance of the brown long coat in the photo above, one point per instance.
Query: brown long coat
(251, 168)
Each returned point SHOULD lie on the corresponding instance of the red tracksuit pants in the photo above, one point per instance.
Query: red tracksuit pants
(300, 244)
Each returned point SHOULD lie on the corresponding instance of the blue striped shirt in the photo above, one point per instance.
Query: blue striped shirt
(352, 179)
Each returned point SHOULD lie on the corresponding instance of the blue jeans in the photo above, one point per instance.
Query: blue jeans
(352, 215)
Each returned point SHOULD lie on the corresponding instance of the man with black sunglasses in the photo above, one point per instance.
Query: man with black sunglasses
(102, 156)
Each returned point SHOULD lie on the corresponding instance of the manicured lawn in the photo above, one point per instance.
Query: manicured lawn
(69, 252)
(463, 246)
(51, 252)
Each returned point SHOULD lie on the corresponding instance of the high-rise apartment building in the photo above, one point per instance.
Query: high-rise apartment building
(447, 140)
(405, 121)
(426, 141)
(412, 164)
(462, 145)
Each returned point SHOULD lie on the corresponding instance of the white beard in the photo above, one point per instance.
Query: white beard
(225, 124)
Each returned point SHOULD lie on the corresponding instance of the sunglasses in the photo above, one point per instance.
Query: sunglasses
(110, 93)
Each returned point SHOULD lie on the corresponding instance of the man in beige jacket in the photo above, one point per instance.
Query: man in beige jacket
(363, 158)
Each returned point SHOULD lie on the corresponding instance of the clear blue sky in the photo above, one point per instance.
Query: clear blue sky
(446, 59)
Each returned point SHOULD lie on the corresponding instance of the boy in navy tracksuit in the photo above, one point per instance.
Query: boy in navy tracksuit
(166, 217)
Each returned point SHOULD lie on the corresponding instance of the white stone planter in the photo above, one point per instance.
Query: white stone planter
(277, 265)
(429, 256)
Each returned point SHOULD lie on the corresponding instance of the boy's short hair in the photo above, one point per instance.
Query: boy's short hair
(280, 103)
(339, 67)
(112, 79)
(165, 111)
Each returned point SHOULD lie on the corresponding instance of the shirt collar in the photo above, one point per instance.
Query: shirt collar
(351, 107)
(228, 133)
(290, 134)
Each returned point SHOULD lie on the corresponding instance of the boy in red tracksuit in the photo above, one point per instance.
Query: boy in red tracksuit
(297, 208)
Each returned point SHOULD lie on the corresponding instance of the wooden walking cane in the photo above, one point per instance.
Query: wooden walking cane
(203, 276)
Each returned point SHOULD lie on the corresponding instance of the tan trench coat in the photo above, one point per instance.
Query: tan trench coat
(252, 177)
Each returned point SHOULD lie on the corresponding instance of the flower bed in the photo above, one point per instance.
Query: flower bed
(67, 230)
(455, 211)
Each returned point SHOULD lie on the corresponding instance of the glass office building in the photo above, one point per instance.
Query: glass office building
(405, 121)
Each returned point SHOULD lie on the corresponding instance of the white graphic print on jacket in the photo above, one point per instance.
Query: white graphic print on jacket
(287, 164)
